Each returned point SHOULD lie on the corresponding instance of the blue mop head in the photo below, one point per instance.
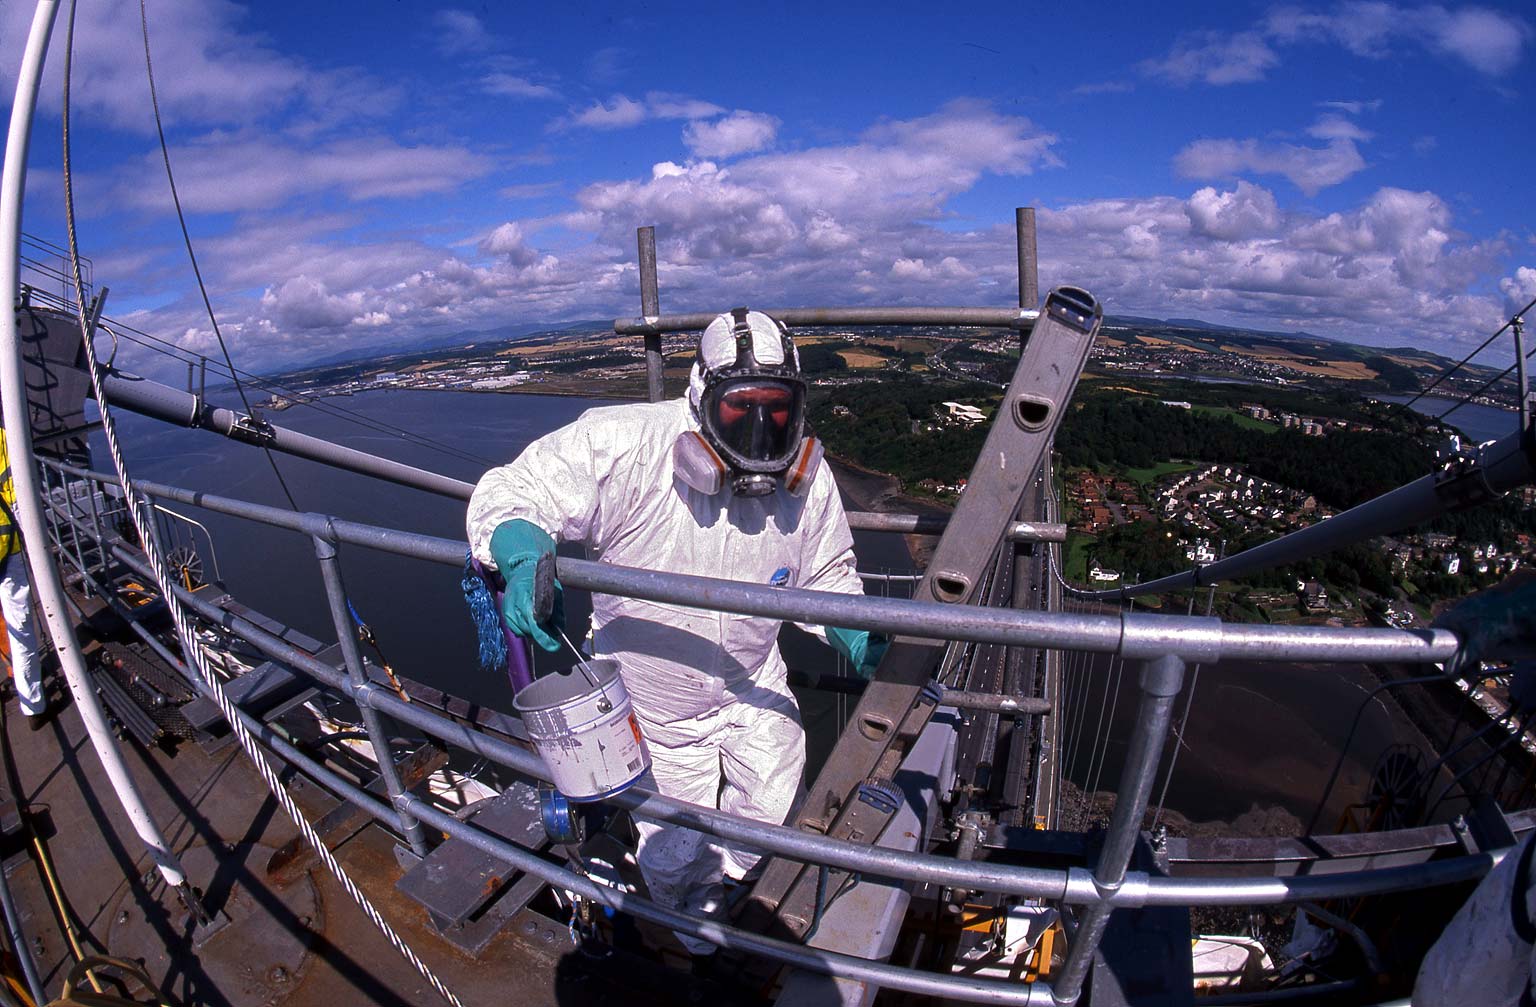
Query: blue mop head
(487, 616)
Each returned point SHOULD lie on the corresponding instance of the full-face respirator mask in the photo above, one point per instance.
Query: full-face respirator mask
(751, 412)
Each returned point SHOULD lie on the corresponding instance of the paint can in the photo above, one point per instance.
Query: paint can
(582, 725)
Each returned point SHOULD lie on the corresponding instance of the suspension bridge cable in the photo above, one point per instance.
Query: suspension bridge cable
(1466, 359)
(1102, 748)
(319, 403)
(1189, 698)
(186, 235)
(195, 655)
(1485, 386)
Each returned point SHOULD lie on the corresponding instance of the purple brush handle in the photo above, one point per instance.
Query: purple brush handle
(519, 669)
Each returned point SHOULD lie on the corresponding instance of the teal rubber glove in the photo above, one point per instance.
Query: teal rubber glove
(862, 648)
(517, 546)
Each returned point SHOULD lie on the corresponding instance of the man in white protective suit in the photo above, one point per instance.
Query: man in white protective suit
(722, 482)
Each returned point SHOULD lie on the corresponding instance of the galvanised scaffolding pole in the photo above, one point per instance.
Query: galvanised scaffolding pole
(1161, 680)
(1073, 885)
(184, 409)
(24, 467)
(357, 678)
(650, 308)
(1133, 635)
(999, 318)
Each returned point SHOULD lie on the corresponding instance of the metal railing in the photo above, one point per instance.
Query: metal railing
(1162, 644)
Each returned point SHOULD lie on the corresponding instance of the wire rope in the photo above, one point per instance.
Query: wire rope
(319, 403)
(165, 153)
(1189, 699)
(194, 654)
(1466, 359)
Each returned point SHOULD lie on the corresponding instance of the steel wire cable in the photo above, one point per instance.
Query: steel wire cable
(1189, 699)
(319, 403)
(1102, 748)
(165, 153)
(1466, 399)
(1084, 675)
(144, 526)
(1467, 359)
(1514, 733)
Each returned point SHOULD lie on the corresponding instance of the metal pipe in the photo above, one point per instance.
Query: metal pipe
(150, 398)
(796, 955)
(1029, 263)
(24, 466)
(650, 308)
(934, 524)
(1501, 467)
(1135, 635)
(19, 946)
(1071, 886)
(1524, 389)
(1161, 680)
(993, 703)
(346, 637)
(170, 405)
(1005, 318)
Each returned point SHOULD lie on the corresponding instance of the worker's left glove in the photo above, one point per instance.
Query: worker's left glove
(862, 648)
(1496, 624)
(517, 547)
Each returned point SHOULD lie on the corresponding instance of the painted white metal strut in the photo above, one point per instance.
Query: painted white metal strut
(29, 505)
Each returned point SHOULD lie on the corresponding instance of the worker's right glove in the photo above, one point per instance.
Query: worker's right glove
(517, 547)
(862, 648)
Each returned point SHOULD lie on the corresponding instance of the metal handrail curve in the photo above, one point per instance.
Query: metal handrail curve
(1072, 885)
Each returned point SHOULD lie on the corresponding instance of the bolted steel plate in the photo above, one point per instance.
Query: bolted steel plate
(254, 952)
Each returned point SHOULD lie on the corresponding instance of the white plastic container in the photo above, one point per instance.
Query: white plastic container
(587, 734)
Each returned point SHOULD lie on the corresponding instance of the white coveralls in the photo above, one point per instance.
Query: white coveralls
(16, 600)
(708, 687)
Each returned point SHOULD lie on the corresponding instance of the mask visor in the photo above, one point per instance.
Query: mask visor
(757, 421)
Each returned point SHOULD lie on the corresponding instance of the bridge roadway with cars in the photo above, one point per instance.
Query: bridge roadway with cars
(1005, 763)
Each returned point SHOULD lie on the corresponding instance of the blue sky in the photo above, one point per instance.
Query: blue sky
(362, 174)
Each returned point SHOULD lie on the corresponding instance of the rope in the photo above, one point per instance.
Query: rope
(165, 153)
(184, 630)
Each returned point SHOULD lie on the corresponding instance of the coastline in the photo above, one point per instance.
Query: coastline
(880, 492)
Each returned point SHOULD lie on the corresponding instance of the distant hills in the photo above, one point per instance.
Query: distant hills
(500, 334)
(1404, 361)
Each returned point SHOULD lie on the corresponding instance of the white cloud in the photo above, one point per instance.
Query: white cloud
(1520, 289)
(240, 173)
(1215, 59)
(509, 85)
(1491, 42)
(1390, 271)
(458, 32)
(209, 70)
(1310, 169)
(622, 111)
(738, 133)
(618, 113)
(1245, 212)
(509, 242)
